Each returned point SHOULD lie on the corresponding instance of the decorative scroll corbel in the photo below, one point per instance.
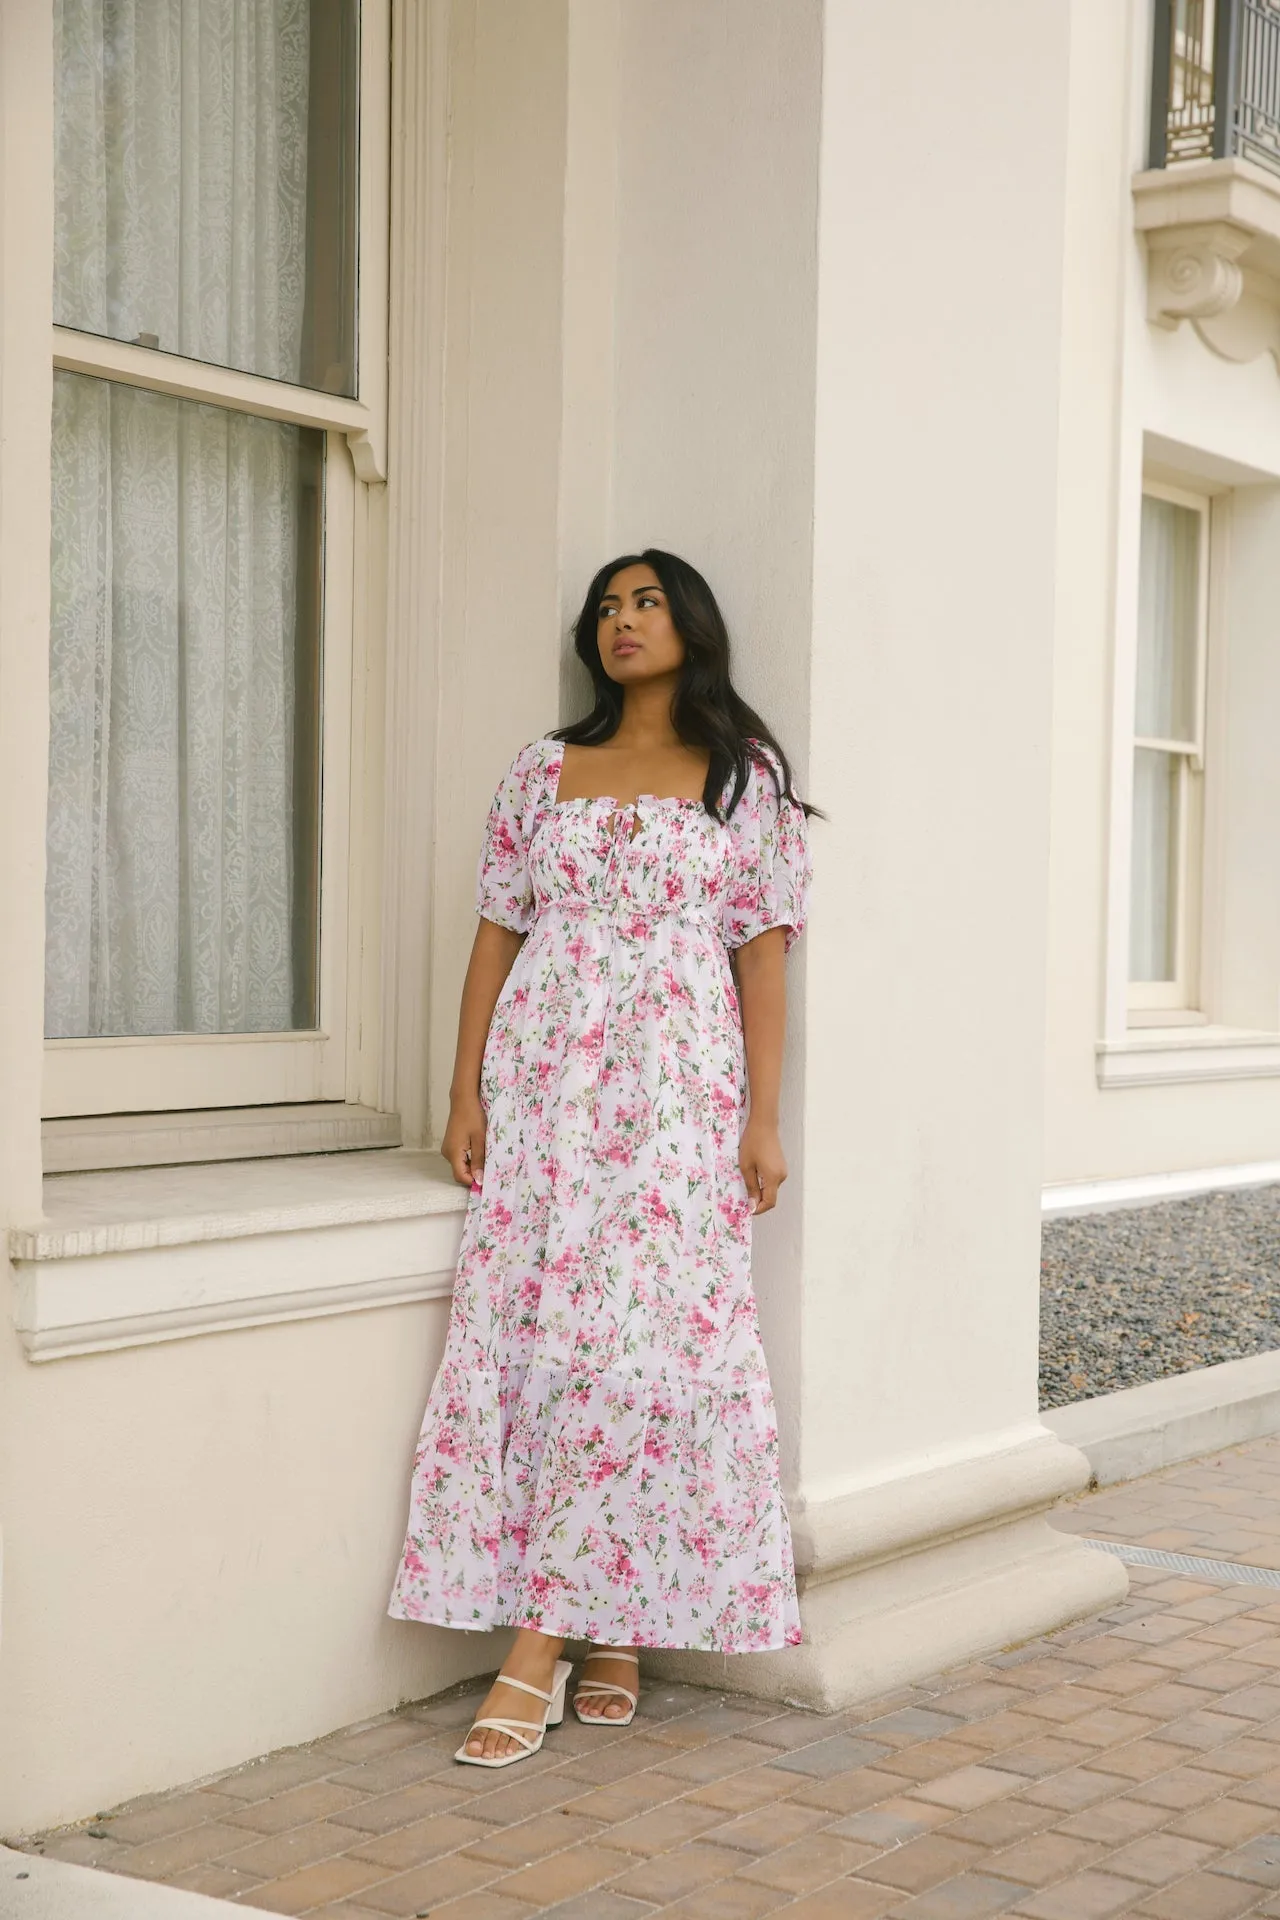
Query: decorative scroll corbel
(1195, 273)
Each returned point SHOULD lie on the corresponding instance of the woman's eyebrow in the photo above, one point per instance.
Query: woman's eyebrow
(606, 599)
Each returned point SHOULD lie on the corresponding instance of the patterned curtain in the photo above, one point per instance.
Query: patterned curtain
(181, 224)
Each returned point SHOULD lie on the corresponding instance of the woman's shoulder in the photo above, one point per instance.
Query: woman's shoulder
(766, 775)
(526, 779)
(763, 760)
(536, 755)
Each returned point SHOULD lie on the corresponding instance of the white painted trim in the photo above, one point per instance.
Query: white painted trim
(368, 441)
(1183, 991)
(1158, 1056)
(95, 1142)
(420, 272)
(129, 1259)
(186, 379)
(177, 1072)
(1147, 1189)
(1126, 1435)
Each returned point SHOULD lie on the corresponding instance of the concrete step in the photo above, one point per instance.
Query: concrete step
(35, 1889)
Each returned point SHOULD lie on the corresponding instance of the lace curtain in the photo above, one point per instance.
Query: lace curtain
(181, 171)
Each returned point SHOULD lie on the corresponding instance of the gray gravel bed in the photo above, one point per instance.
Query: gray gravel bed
(1143, 1292)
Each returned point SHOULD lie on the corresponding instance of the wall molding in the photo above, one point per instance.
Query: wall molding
(1159, 1056)
(415, 537)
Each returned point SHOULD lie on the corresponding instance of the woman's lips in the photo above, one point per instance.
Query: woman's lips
(626, 646)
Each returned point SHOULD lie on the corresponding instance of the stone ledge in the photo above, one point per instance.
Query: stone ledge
(130, 1259)
(88, 1214)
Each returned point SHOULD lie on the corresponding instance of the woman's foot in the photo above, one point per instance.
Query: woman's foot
(615, 1667)
(532, 1659)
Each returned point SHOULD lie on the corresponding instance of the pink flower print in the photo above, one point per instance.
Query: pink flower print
(599, 1457)
(700, 1326)
(619, 1569)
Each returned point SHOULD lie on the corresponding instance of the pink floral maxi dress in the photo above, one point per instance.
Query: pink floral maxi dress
(599, 1454)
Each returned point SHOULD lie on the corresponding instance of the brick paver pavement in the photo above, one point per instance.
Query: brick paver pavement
(1130, 1765)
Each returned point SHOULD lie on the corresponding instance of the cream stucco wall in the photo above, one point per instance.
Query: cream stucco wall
(1133, 391)
(201, 1541)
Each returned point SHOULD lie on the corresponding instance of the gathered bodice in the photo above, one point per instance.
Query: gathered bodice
(654, 858)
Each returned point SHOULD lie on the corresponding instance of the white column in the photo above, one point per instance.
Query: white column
(899, 1278)
(924, 1469)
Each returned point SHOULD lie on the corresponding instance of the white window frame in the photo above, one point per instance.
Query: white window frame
(201, 1071)
(1171, 1002)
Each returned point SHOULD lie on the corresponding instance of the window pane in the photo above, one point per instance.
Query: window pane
(1154, 902)
(206, 180)
(1168, 616)
(183, 836)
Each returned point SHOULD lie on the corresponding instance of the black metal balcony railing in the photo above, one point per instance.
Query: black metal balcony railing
(1215, 88)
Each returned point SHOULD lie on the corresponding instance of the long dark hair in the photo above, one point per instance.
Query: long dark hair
(707, 710)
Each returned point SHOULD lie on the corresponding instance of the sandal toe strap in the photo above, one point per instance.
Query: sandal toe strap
(587, 1689)
(511, 1728)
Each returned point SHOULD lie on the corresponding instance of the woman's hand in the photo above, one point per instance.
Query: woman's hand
(463, 1143)
(763, 1164)
(493, 955)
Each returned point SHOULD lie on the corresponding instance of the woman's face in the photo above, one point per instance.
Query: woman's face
(635, 634)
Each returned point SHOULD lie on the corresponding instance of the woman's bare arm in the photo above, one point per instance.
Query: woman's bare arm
(493, 954)
(760, 968)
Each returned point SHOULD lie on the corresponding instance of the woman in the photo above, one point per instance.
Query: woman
(599, 1456)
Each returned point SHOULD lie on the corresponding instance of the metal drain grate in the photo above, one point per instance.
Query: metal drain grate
(1231, 1573)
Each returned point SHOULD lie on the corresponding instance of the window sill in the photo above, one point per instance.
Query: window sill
(1157, 1056)
(100, 1141)
(125, 1259)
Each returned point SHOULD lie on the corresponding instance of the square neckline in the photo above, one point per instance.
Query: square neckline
(556, 768)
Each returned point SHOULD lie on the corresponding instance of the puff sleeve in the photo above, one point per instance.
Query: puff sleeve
(770, 869)
(504, 886)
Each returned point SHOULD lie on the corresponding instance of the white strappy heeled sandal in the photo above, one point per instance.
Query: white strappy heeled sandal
(593, 1689)
(521, 1729)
